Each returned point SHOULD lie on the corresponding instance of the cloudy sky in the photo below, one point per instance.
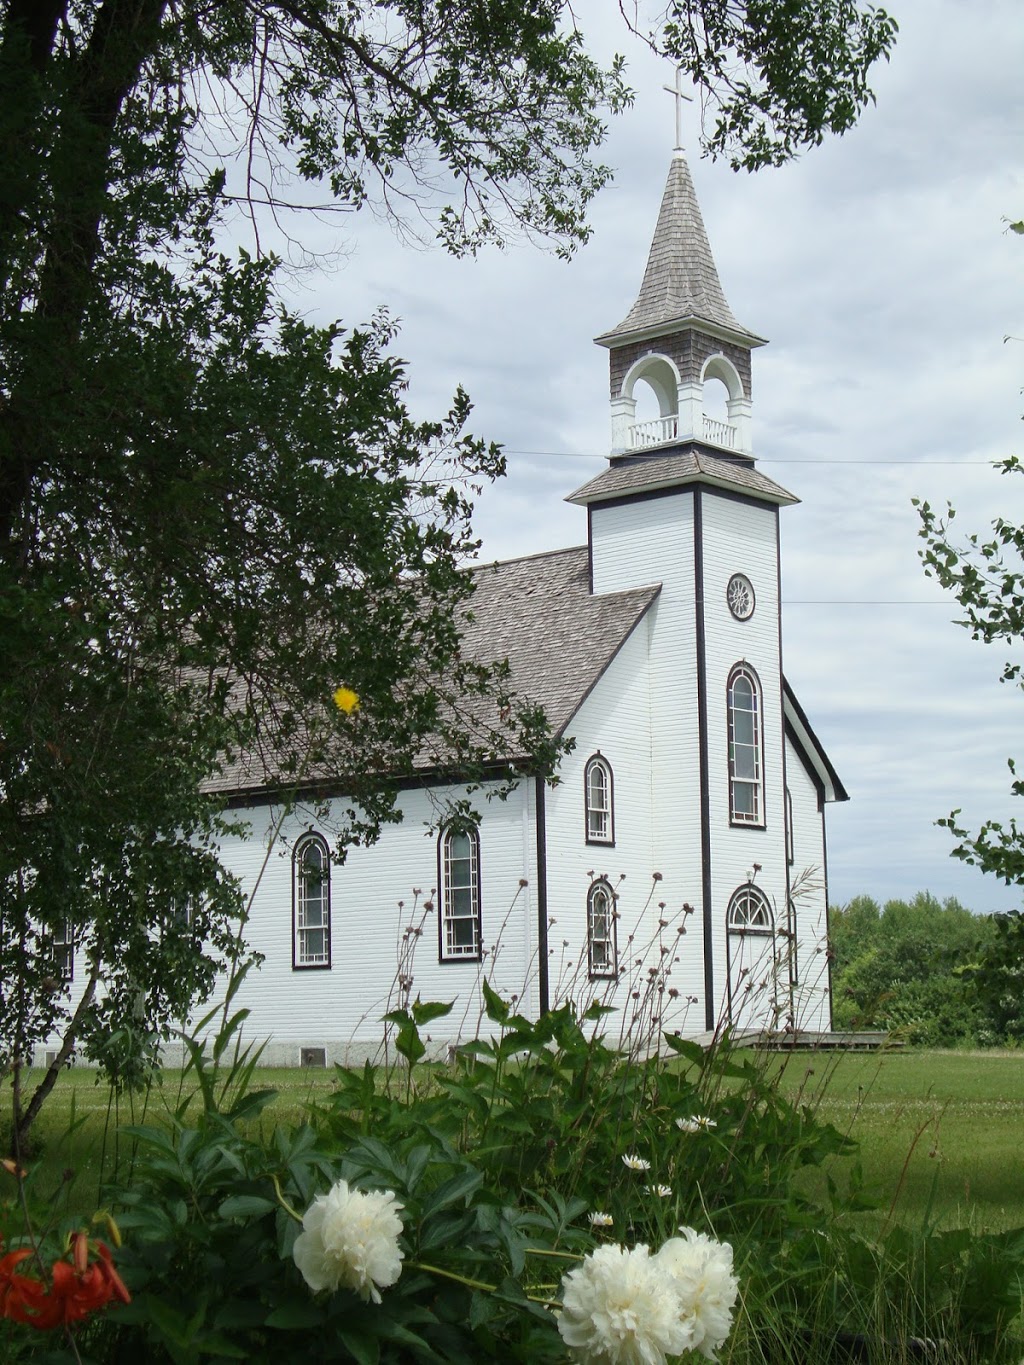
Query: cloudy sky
(880, 268)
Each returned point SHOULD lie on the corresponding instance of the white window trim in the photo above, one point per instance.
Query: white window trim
(763, 921)
(599, 821)
(449, 950)
(609, 969)
(61, 943)
(302, 960)
(755, 784)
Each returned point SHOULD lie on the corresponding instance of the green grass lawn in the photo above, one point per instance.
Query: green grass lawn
(940, 1133)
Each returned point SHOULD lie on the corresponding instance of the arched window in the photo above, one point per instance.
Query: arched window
(311, 903)
(749, 910)
(459, 858)
(601, 950)
(597, 796)
(746, 780)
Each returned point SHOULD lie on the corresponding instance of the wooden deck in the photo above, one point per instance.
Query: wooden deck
(809, 1040)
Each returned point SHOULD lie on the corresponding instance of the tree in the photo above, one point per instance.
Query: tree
(211, 513)
(997, 975)
(987, 579)
(903, 968)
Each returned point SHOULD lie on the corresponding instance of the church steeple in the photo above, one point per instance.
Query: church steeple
(680, 332)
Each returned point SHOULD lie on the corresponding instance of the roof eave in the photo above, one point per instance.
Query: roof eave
(811, 746)
(736, 335)
(780, 499)
(655, 592)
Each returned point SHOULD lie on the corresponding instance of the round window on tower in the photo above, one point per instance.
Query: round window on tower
(740, 596)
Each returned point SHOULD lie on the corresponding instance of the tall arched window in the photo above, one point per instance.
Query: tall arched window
(597, 796)
(749, 910)
(459, 858)
(601, 948)
(746, 778)
(311, 903)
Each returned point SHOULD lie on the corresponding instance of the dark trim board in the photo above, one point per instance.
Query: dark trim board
(841, 794)
(694, 490)
(543, 985)
(240, 798)
(705, 776)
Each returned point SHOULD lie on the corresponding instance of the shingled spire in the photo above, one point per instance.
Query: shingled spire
(679, 332)
(681, 281)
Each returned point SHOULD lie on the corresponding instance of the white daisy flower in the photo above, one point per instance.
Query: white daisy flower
(662, 1191)
(600, 1220)
(696, 1123)
(635, 1163)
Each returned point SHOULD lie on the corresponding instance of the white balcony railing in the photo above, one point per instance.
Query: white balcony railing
(660, 430)
(719, 433)
(653, 433)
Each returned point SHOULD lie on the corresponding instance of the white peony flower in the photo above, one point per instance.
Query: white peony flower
(636, 1163)
(705, 1287)
(600, 1220)
(620, 1308)
(349, 1240)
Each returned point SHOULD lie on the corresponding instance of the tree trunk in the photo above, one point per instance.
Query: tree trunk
(23, 1121)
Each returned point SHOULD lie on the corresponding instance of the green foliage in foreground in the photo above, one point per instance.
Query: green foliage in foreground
(498, 1159)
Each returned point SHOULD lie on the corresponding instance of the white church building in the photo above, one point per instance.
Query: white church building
(677, 868)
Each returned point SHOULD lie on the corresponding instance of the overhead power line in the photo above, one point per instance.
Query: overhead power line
(921, 464)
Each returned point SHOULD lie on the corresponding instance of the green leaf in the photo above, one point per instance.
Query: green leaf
(426, 1011)
(246, 1206)
(686, 1047)
(482, 1309)
(409, 1043)
(459, 1187)
(365, 1349)
(497, 1010)
(295, 1315)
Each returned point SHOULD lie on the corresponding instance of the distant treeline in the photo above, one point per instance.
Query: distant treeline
(932, 970)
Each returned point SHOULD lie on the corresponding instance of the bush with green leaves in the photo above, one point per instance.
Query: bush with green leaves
(902, 968)
(493, 1175)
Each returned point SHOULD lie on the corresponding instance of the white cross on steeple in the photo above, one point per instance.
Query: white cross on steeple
(680, 95)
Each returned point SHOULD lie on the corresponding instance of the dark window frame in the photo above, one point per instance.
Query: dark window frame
(745, 894)
(62, 950)
(598, 761)
(609, 970)
(299, 961)
(445, 952)
(753, 786)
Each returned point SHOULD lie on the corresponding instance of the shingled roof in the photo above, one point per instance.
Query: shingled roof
(558, 636)
(681, 280)
(538, 613)
(636, 474)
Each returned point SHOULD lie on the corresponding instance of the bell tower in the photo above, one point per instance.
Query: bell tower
(680, 333)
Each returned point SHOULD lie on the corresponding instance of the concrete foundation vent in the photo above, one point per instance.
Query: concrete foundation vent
(312, 1056)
